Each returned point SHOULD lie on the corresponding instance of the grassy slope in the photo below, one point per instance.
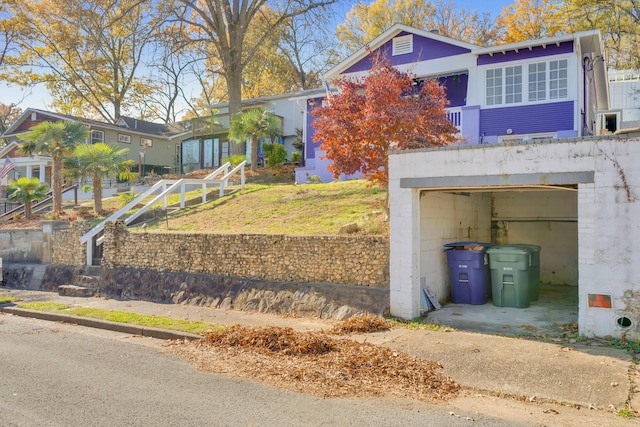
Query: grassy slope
(286, 209)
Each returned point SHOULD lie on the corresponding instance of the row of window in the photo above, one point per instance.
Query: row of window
(542, 80)
(98, 136)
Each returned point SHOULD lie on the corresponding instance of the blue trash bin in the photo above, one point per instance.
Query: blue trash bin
(469, 272)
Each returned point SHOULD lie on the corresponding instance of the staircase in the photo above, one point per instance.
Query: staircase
(85, 285)
(42, 206)
(165, 187)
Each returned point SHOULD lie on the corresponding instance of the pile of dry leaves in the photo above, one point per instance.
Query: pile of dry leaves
(318, 363)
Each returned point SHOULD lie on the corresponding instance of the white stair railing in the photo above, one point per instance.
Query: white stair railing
(167, 186)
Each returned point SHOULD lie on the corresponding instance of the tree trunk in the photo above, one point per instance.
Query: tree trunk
(27, 209)
(254, 153)
(56, 184)
(97, 193)
(234, 86)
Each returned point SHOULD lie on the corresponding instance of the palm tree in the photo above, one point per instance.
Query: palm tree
(97, 162)
(55, 139)
(27, 190)
(255, 124)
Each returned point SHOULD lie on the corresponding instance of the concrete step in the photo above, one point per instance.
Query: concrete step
(91, 270)
(87, 280)
(76, 291)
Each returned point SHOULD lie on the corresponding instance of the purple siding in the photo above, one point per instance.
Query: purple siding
(310, 146)
(456, 89)
(525, 53)
(423, 49)
(528, 119)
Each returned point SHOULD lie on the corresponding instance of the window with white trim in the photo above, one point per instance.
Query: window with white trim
(531, 82)
(97, 136)
(494, 86)
(402, 45)
(513, 84)
(558, 79)
(537, 81)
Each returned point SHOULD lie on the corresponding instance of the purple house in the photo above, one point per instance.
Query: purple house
(542, 89)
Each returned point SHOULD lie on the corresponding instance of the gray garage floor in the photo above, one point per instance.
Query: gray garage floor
(556, 308)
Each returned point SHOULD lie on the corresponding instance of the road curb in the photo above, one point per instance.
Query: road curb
(163, 334)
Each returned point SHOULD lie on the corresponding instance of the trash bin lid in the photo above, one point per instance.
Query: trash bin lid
(534, 248)
(462, 244)
(514, 249)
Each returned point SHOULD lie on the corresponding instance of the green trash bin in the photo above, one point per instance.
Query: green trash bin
(510, 275)
(534, 270)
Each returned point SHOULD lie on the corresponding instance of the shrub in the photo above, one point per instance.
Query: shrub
(296, 156)
(235, 160)
(275, 153)
(127, 197)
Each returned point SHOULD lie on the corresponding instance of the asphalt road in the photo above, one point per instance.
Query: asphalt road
(55, 374)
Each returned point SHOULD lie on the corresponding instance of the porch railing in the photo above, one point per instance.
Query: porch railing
(455, 116)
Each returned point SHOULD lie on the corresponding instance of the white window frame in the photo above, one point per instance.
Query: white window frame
(567, 86)
(124, 139)
(93, 140)
(513, 87)
(146, 142)
(537, 87)
(493, 92)
(558, 79)
(402, 45)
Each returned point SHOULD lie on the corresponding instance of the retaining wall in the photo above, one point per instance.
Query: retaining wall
(345, 260)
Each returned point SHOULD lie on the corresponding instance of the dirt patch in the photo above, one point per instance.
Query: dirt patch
(34, 223)
(276, 175)
(70, 214)
(316, 363)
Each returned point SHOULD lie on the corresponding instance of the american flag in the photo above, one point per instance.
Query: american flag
(8, 167)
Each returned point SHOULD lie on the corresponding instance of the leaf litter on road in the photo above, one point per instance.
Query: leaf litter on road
(318, 363)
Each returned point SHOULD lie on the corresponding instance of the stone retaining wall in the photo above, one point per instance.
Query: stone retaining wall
(321, 300)
(67, 249)
(345, 260)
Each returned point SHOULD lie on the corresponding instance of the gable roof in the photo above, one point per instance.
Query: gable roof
(588, 45)
(143, 126)
(385, 37)
(125, 123)
(4, 152)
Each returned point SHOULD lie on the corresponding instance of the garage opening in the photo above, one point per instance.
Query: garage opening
(546, 216)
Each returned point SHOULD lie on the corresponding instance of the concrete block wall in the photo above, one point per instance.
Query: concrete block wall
(548, 219)
(29, 245)
(348, 260)
(608, 229)
(21, 245)
(447, 218)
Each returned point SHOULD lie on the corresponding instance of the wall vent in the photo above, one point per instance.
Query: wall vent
(402, 45)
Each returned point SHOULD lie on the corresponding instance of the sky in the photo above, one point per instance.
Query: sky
(38, 97)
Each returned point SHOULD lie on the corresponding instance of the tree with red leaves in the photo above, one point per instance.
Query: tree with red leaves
(386, 110)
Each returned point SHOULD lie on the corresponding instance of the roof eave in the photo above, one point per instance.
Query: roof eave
(383, 38)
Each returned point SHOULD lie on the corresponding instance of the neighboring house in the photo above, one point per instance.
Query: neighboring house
(152, 146)
(624, 112)
(31, 167)
(209, 143)
(549, 88)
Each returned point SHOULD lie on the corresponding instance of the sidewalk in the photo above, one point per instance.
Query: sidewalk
(590, 376)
